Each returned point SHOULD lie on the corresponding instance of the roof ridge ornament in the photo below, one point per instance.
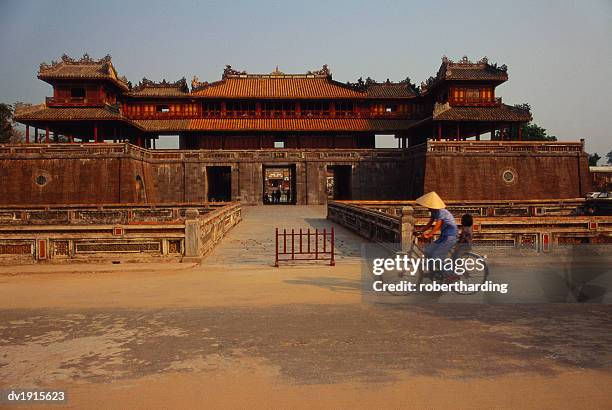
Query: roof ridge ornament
(277, 72)
(196, 84)
(146, 83)
(362, 86)
(85, 60)
(230, 72)
(324, 71)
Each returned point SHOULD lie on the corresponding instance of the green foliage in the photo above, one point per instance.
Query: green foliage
(530, 132)
(609, 157)
(6, 123)
(593, 159)
(533, 132)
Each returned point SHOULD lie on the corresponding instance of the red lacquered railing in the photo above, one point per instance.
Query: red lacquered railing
(74, 102)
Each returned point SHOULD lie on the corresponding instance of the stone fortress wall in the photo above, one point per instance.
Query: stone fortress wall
(123, 173)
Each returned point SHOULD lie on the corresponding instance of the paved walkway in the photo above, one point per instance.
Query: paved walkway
(252, 241)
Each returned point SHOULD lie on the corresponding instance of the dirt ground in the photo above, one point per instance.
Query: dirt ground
(235, 332)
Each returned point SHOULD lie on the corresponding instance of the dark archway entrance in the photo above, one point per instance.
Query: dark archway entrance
(219, 181)
(338, 183)
(279, 185)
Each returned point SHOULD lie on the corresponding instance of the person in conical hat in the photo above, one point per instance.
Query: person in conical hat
(441, 221)
(431, 200)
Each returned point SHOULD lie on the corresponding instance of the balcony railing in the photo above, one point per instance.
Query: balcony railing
(477, 102)
(253, 115)
(74, 102)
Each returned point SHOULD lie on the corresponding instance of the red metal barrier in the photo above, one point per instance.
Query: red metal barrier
(305, 246)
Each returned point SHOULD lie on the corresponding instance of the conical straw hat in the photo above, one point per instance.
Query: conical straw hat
(431, 200)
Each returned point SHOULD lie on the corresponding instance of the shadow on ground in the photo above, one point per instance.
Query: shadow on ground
(307, 343)
(330, 283)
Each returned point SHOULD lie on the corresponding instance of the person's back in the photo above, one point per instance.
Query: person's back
(441, 221)
(448, 227)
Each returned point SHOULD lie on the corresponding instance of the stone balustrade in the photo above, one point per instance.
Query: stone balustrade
(132, 232)
(535, 232)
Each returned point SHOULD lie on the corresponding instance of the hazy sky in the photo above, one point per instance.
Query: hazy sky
(559, 53)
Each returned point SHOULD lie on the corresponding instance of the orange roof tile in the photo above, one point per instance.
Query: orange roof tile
(148, 88)
(72, 113)
(275, 124)
(278, 87)
(502, 113)
(83, 68)
(391, 90)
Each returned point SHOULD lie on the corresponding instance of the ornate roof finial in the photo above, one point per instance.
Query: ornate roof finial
(277, 72)
(229, 71)
(324, 71)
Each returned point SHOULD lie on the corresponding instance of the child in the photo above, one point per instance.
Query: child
(464, 240)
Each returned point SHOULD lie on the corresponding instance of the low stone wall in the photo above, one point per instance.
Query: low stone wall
(203, 233)
(548, 207)
(373, 225)
(538, 233)
(112, 232)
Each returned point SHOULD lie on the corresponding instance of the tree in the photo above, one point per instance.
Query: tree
(609, 156)
(533, 132)
(529, 132)
(8, 133)
(594, 159)
(6, 123)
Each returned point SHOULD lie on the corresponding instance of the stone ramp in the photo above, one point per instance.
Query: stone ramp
(251, 242)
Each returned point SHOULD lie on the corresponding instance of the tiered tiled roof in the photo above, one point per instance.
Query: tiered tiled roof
(69, 113)
(390, 90)
(500, 113)
(83, 68)
(275, 124)
(276, 85)
(313, 84)
(148, 88)
(466, 70)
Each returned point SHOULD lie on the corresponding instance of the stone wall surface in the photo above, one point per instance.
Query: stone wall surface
(123, 173)
(510, 171)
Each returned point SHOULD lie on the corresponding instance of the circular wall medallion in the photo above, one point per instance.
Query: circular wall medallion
(41, 178)
(509, 176)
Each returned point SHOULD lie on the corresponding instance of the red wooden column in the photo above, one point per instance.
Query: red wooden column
(47, 135)
(439, 131)
(139, 141)
(458, 131)
(520, 132)
(96, 133)
(27, 137)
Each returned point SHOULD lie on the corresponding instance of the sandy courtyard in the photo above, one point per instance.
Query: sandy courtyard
(235, 332)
